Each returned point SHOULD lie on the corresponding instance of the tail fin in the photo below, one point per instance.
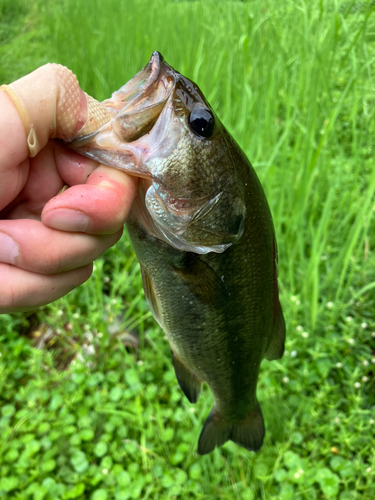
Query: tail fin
(248, 433)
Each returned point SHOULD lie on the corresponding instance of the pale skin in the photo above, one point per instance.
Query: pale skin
(48, 241)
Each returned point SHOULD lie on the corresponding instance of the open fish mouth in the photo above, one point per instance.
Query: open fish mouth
(142, 99)
(135, 108)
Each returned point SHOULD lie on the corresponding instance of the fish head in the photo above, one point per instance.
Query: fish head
(164, 131)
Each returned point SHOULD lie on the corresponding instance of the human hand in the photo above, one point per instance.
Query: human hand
(48, 241)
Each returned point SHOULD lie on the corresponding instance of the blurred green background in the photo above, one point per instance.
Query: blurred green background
(85, 415)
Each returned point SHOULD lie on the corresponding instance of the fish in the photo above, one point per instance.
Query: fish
(203, 234)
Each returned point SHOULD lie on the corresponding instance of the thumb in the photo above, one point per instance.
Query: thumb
(51, 104)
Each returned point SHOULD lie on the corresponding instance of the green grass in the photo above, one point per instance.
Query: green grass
(293, 81)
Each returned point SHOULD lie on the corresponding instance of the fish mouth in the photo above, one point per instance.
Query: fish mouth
(135, 108)
(136, 89)
(142, 99)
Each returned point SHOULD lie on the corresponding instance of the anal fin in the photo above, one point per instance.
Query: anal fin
(275, 348)
(189, 382)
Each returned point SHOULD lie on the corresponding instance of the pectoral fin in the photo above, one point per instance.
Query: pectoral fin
(189, 383)
(203, 281)
(275, 348)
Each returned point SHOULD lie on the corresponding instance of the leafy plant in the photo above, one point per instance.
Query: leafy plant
(86, 413)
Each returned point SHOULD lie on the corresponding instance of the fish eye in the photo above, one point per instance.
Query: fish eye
(202, 122)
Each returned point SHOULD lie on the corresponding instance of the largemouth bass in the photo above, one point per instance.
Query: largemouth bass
(203, 234)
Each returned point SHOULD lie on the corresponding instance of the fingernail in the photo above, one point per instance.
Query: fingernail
(8, 249)
(65, 219)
